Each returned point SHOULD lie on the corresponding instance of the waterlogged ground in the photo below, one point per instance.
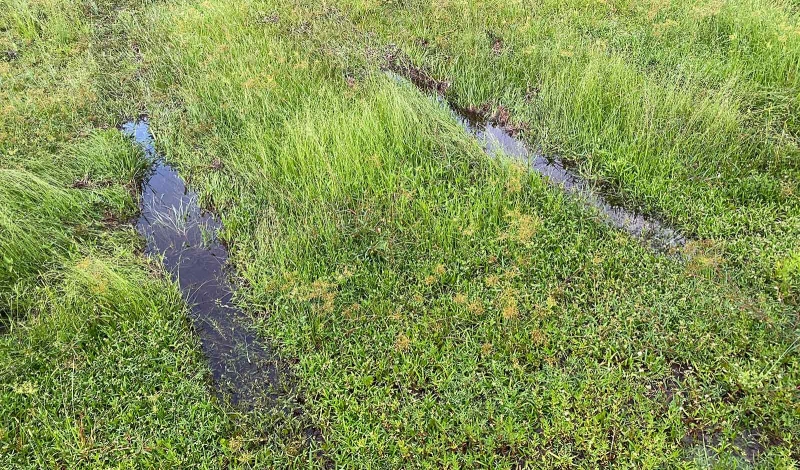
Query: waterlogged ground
(500, 140)
(184, 236)
(622, 293)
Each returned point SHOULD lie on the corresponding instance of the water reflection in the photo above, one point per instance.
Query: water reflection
(185, 236)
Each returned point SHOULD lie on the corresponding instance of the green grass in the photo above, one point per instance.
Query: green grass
(683, 109)
(98, 363)
(446, 309)
(88, 383)
(441, 308)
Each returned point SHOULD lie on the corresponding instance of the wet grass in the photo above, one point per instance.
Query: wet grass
(686, 110)
(441, 308)
(99, 366)
(445, 308)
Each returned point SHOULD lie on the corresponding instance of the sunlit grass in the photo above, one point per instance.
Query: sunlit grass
(446, 308)
(441, 308)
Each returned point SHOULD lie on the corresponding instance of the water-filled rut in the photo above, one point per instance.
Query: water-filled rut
(179, 231)
(498, 140)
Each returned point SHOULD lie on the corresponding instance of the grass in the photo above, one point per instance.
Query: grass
(682, 109)
(98, 363)
(446, 309)
(91, 385)
(441, 308)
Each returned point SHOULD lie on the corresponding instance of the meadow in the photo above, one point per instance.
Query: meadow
(438, 307)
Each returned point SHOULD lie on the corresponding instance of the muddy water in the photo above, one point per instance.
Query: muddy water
(185, 237)
(498, 141)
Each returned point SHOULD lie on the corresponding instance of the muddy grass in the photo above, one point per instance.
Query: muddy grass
(440, 308)
(246, 372)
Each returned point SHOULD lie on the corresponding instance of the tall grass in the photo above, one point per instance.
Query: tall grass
(43, 218)
(33, 212)
(685, 109)
(98, 366)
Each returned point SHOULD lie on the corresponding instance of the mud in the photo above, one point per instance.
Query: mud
(703, 447)
(398, 63)
(496, 42)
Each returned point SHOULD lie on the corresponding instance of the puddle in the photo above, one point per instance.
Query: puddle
(498, 139)
(185, 237)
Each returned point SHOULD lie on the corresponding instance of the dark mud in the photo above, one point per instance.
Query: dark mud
(496, 42)
(743, 452)
(184, 236)
(498, 134)
(399, 64)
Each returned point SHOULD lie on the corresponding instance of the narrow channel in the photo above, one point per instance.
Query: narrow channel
(499, 142)
(184, 236)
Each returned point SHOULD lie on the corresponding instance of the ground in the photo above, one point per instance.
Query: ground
(438, 307)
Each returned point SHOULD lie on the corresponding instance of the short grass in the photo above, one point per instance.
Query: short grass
(441, 308)
(446, 309)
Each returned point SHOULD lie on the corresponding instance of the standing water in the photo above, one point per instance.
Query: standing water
(498, 141)
(185, 237)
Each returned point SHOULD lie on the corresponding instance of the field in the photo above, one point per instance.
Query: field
(434, 306)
